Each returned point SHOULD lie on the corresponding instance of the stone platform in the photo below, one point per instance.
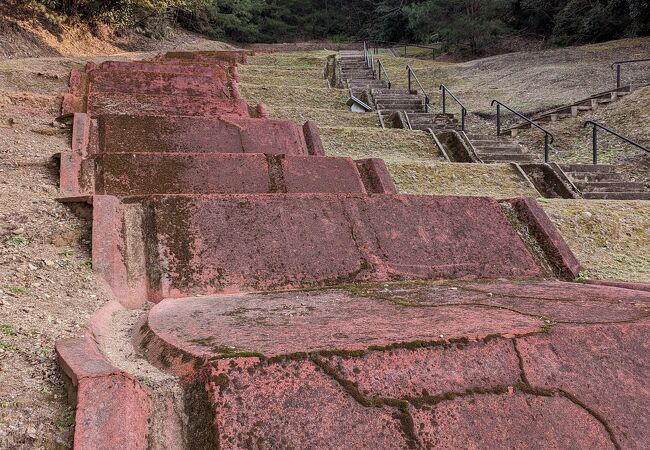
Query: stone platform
(421, 365)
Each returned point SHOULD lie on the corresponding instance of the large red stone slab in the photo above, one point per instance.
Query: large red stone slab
(134, 133)
(290, 323)
(431, 372)
(156, 105)
(124, 174)
(605, 367)
(516, 421)
(321, 174)
(153, 67)
(295, 405)
(280, 241)
(156, 83)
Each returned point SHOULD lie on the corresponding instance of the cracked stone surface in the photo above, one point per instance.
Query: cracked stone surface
(416, 365)
(518, 421)
(434, 371)
(295, 405)
(606, 367)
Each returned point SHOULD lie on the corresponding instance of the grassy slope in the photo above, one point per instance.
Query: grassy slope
(359, 136)
(609, 237)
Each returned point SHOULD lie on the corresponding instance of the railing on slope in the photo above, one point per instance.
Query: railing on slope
(381, 70)
(594, 138)
(411, 75)
(463, 110)
(618, 65)
(548, 136)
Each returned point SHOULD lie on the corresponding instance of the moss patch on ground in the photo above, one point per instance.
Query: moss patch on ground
(283, 96)
(392, 145)
(325, 117)
(493, 180)
(609, 238)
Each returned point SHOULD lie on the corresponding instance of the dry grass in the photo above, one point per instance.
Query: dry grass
(392, 145)
(295, 60)
(283, 96)
(610, 238)
(325, 117)
(494, 180)
(529, 81)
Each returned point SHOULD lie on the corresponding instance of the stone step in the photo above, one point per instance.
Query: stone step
(153, 83)
(506, 157)
(645, 195)
(255, 242)
(505, 149)
(400, 105)
(609, 186)
(123, 133)
(434, 126)
(128, 174)
(390, 92)
(160, 105)
(594, 176)
(600, 168)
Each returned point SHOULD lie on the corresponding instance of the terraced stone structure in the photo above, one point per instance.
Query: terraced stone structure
(301, 302)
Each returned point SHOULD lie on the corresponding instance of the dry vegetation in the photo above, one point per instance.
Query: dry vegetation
(495, 180)
(610, 238)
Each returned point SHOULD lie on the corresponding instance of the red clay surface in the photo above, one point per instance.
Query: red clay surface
(207, 244)
(404, 365)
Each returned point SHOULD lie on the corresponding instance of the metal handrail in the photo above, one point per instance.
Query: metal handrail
(594, 138)
(463, 110)
(548, 136)
(618, 65)
(383, 70)
(410, 72)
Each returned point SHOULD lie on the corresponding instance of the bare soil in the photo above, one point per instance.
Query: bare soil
(47, 289)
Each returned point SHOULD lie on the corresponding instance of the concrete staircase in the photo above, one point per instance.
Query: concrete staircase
(498, 149)
(358, 77)
(574, 109)
(604, 182)
(391, 102)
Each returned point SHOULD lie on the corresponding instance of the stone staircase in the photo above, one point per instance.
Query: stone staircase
(358, 77)
(391, 102)
(604, 182)
(574, 109)
(498, 149)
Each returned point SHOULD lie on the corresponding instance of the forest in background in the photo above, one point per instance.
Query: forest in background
(456, 24)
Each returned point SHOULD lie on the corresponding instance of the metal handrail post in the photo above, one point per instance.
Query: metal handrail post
(498, 119)
(444, 101)
(408, 71)
(546, 148)
(618, 76)
(594, 144)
